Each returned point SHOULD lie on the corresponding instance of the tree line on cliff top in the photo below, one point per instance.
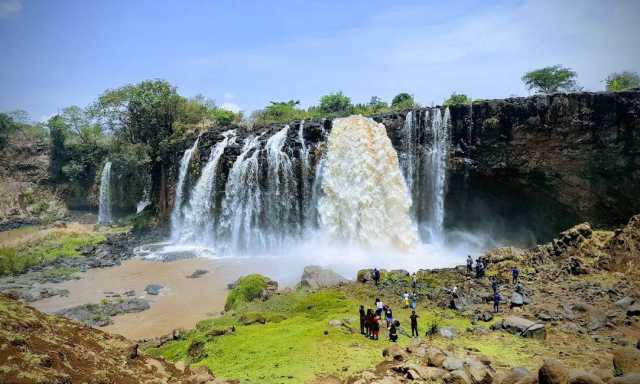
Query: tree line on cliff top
(133, 124)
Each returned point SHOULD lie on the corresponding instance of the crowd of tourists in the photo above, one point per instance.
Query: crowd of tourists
(372, 319)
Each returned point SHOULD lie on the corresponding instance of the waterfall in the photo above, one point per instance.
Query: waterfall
(305, 187)
(242, 204)
(436, 160)
(176, 214)
(408, 154)
(104, 212)
(142, 204)
(366, 201)
(198, 221)
(281, 190)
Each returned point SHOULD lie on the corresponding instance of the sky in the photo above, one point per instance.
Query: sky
(244, 54)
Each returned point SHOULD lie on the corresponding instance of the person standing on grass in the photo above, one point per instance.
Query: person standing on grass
(393, 331)
(414, 301)
(369, 323)
(379, 307)
(375, 324)
(496, 302)
(388, 315)
(363, 319)
(414, 281)
(414, 324)
(376, 276)
(405, 299)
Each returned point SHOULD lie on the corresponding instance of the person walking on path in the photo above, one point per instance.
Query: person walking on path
(405, 299)
(388, 314)
(414, 282)
(494, 285)
(496, 302)
(414, 324)
(414, 301)
(469, 265)
(363, 319)
(515, 273)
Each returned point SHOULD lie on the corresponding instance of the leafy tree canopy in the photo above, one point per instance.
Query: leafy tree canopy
(403, 101)
(280, 112)
(457, 99)
(551, 79)
(335, 104)
(622, 81)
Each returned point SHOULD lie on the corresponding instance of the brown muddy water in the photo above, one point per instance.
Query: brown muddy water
(181, 304)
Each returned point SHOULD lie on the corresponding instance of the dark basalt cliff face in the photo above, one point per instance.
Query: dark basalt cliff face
(520, 168)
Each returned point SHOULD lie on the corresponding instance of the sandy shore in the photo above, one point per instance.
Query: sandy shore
(181, 304)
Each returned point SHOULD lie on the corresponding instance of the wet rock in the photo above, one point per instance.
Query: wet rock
(100, 314)
(626, 360)
(553, 372)
(153, 289)
(197, 273)
(316, 277)
(129, 293)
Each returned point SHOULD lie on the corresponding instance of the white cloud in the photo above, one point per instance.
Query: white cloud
(229, 106)
(9, 7)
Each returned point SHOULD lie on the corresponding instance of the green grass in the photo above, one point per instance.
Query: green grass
(248, 289)
(15, 260)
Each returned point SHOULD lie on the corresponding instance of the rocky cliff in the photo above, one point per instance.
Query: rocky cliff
(523, 168)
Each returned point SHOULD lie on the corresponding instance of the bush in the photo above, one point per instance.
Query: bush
(402, 101)
(457, 99)
(551, 79)
(622, 81)
(246, 290)
(333, 105)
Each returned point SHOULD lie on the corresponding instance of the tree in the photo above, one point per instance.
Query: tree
(335, 104)
(280, 112)
(58, 132)
(551, 79)
(457, 99)
(402, 101)
(7, 126)
(622, 81)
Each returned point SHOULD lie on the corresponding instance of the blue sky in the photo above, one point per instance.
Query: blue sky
(246, 53)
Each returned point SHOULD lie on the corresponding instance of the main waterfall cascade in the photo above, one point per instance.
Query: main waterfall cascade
(104, 210)
(348, 183)
(365, 198)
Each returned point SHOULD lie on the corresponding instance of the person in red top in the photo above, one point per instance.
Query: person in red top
(376, 326)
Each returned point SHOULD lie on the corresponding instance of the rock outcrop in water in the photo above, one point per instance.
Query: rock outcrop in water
(519, 169)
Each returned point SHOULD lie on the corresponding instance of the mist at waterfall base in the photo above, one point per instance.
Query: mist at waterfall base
(361, 207)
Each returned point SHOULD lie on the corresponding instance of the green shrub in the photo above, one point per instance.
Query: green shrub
(490, 124)
(248, 289)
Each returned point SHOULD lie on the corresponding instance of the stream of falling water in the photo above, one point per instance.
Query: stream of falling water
(104, 209)
(176, 214)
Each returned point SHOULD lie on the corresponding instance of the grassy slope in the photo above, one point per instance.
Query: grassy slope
(296, 349)
(44, 246)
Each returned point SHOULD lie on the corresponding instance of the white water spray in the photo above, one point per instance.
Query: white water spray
(104, 210)
(365, 199)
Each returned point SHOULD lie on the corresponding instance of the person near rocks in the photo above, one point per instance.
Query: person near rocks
(393, 331)
(414, 281)
(388, 314)
(405, 299)
(515, 273)
(479, 268)
(376, 276)
(494, 284)
(414, 301)
(469, 265)
(496, 302)
(369, 323)
(363, 320)
(414, 324)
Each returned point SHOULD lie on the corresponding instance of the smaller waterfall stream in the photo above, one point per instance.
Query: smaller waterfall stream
(176, 214)
(104, 211)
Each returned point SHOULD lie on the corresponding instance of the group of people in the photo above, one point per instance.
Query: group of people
(371, 321)
(480, 272)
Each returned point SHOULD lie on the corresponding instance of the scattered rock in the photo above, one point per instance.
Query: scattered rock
(634, 310)
(447, 332)
(451, 363)
(553, 372)
(632, 378)
(316, 277)
(435, 357)
(524, 327)
(515, 375)
(197, 273)
(582, 377)
(394, 352)
(457, 377)
(626, 360)
(153, 289)
(100, 314)
(625, 302)
(249, 318)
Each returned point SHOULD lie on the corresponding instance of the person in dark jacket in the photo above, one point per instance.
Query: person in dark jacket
(469, 265)
(388, 314)
(496, 302)
(414, 324)
(515, 273)
(393, 331)
(363, 320)
(376, 276)
(494, 285)
(375, 325)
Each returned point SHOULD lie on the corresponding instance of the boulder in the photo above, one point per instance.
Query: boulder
(583, 377)
(153, 289)
(626, 360)
(395, 352)
(316, 277)
(197, 273)
(364, 275)
(553, 372)
(515, 375)
(249, 318)
(632, 378)
(517, 299)
(435, 357)
(457, 377)
(501, 254)
(480, 373)
(625, 302)
(415, 371)
(634, 310)
(524, 327)
(447, 332)
(451, 363)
